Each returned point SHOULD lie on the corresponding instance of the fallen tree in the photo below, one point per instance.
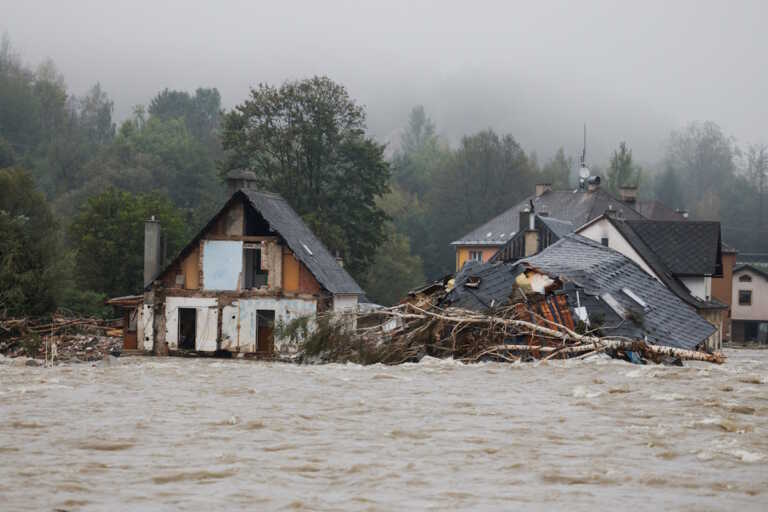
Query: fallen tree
(408, 332)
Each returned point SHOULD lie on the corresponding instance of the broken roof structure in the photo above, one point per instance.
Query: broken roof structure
(613, 291)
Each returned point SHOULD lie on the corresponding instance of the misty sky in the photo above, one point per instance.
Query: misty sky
(631, 71)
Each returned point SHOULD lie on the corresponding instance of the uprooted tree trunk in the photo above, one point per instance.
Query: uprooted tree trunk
(471, 336)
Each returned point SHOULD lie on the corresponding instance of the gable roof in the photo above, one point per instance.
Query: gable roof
(305, 246)
(762, 272)
(689, 248)
(659, 267)
(601, 275)
(550, 231)
(302, 241)
(656, 210)
(574, 206)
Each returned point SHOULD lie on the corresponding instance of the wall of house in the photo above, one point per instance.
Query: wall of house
(206, 321)
(462, 253)
(604, 229)
(190, 268)
(722, 287)
(715, 317)
(699, 286)
(759, 287)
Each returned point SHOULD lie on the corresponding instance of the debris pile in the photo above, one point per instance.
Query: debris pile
(408, 332)
(60, 338)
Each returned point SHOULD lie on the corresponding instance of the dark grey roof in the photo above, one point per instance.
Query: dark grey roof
(657, 264)
(595, 271)
(687, 248)
(557, 226)
(575, 206)
(303, 242)
(656, 210)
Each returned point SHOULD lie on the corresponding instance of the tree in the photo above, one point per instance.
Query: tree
(394, 271)
(108, 237)
(487, 175)
(558, 170)
(201, 112)
(29, 248)
(420, 156)
(702, 157)
(306, 141)
(622, 171)
(757, 173)
(668, 189)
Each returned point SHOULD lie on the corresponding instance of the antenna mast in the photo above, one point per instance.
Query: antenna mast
(584, 148)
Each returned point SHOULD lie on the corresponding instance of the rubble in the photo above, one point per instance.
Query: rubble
(506, 335)
(59, 339)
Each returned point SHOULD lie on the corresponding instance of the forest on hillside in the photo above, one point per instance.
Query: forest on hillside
(76, 186)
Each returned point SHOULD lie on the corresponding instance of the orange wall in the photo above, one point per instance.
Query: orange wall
(296, 276)
(462, 253)
(191, 269)
(722, 287)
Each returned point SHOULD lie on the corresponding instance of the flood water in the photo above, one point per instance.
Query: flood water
(170, 434)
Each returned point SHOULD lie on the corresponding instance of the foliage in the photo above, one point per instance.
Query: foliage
(108, 237)
(201, 113)
(394, 271)
(487, 175)
(558, 170)
(306, 141)
(29, 248)
(622, 172)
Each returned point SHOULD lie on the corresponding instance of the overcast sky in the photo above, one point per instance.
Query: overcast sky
(631, 70)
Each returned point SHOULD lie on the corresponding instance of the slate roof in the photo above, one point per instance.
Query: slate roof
(305, 246)
(655, 260)
(575, 206)
(656, 210)
(690, 248)
(595, 271)
(303, 242)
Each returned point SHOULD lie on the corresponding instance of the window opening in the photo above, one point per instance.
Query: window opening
(255, 274)
(187, 328)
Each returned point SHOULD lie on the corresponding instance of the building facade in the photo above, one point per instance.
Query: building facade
(749, 310)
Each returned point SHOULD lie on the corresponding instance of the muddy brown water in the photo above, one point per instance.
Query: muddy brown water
(182, 434)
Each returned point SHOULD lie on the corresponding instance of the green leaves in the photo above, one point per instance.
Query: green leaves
(306, 141)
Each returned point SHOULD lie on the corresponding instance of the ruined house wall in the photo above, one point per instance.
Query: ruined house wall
(206, 324)
(462, 253)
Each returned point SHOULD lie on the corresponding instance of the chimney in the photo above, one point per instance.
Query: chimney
(593, 183)
(339, 260)
(240, 179)
(531, 237)
(628, 194)
(682, 212)
(152, 250)
(543, 188)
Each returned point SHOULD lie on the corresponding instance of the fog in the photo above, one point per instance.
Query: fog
(537, 71)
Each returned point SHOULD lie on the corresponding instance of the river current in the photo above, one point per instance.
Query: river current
(206, 434)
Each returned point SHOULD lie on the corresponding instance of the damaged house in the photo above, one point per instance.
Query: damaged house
(253, 268)
(583, 285)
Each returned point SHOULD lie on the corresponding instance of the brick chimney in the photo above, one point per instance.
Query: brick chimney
(628, 194)
(240, 179)
(543, 188)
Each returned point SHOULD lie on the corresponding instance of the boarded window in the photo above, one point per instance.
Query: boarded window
(745, 297)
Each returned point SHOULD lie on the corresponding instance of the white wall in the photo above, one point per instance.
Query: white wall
(206, 325)
(759, 287)
(604, 229)
(700, 286)
(344, 303)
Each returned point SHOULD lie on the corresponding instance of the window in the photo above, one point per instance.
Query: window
(604, 241)
(745, 279)
(476, 256)
(255, 275)
(745, 297)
